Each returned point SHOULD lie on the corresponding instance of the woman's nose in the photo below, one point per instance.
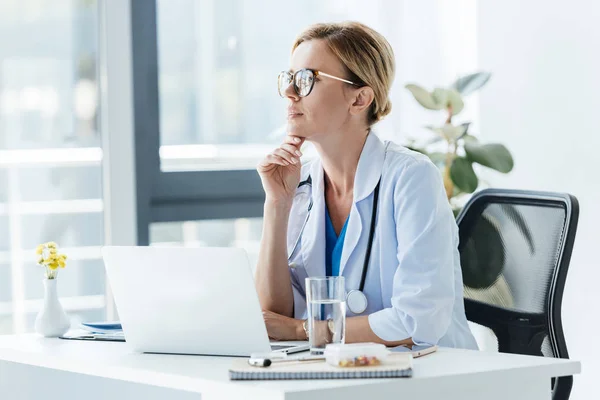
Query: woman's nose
(290, 93)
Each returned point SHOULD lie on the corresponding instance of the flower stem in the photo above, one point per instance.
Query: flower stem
(50, 273)
(450, 156)
(449, 119)
(448, 184)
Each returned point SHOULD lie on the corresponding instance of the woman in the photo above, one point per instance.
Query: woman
(337, 89)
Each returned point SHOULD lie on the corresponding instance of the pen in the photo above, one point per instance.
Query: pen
(259, 362)
(266, 362)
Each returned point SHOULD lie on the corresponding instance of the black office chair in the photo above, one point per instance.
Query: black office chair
(515, 247)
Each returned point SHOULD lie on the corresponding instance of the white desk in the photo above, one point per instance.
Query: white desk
(32, 367)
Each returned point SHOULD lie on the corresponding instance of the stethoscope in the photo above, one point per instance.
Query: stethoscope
(356, 301)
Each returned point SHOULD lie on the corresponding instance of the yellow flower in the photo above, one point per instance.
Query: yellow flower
(49, 258)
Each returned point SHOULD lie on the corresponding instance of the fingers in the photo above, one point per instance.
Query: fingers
(287, 154)
(294, 140)
(293, 150)
(274, 159)
(291, 159)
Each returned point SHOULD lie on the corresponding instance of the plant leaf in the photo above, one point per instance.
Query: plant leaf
(493, 155)
(482, 254)
(433, 140)
(463, 176)
(437, 130)
(517, 218)
(448, 98)
(470, 138)
(440, 96)
(456, 191)
(455, 100)
(424, 98)
(465, 126)
(470, 83)
(450, 132)
(438, 158)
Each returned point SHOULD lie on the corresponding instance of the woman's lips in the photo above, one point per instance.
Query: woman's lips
(293, 115)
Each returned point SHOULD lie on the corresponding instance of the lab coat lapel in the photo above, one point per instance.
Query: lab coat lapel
(368, 173)
(313, 239)
(353, 231)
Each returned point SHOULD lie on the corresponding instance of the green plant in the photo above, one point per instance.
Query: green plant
(454, 149)
(462, 149)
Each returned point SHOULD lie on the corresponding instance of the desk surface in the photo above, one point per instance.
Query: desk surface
(207, 375)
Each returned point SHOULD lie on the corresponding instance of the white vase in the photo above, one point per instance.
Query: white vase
(52, 321)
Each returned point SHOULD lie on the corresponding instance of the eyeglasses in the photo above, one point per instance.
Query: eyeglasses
(303, 80)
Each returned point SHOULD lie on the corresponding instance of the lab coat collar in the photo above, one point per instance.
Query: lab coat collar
(370, 166)
(313, 241)
(368, 173)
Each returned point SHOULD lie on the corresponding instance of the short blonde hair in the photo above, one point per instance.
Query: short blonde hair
(365, 53)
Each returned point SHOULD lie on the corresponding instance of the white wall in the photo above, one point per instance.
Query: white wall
(543, 103)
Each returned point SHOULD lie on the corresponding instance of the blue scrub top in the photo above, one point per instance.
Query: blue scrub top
(333, 246)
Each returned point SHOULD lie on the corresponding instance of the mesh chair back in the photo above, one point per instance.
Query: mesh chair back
(515, 248)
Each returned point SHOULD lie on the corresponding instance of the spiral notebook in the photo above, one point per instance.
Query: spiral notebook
(396, 366)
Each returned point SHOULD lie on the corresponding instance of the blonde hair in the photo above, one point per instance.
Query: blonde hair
(365, 53)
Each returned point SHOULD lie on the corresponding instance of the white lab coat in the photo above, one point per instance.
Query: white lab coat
(414, 282)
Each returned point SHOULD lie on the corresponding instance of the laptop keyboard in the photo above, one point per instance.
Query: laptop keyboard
(276, 347)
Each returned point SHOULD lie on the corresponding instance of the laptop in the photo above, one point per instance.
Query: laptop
(189, 301)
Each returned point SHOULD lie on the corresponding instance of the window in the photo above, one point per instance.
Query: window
(204, 110)
(240, 232)
(50, 157)
(218, 63)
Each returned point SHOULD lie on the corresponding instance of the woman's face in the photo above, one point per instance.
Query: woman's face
(327, 108)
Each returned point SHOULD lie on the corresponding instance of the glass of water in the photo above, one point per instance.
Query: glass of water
(326, 301)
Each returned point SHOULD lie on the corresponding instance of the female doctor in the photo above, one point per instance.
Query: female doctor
(318, 217)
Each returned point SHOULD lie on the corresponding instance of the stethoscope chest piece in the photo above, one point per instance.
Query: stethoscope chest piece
(356, 301)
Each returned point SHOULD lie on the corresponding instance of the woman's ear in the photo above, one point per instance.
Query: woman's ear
(362, 100)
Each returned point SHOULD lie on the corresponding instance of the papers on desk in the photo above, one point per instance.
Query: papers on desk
(83, 335)
(106, 330)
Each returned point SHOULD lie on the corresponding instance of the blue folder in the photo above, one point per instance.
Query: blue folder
(102, 327)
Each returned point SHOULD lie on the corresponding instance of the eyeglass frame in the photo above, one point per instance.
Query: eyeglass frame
(315, 73)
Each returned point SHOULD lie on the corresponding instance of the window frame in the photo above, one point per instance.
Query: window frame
(178, 195)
